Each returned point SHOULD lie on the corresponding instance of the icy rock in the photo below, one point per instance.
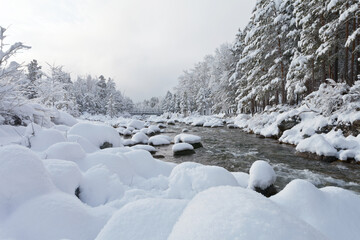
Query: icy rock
(151, 219)
(183, 149)
(22, 177)
(97, 134)
(238, 213)
(65, 175)
(187, 179)
(262, 177)
(66, 151)
(159, 140)
(140, 137)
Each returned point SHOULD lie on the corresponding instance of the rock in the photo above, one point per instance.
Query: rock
(180, 149)
(106, 145)
(158, 156)
(289, 123)
(267, 192)
(197, 145)
(313, 156)
(232, 126)
(184, 152)
(325, 129)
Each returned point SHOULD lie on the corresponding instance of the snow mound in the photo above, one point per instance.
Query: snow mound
(137, 124)
(317, 144)
(140, 137)
(187, 138)
(54, 216)
(66, 151)
(242, 178)
(151, 219)
(187, 179)
(159, 140)
(86, 145)
(262, 175)
(64, 118)
(145, 147)
(178, 147)
(238, 213)
(97, 134)
(333, 211)
(100, 186)
(22, 177)
(65, 175)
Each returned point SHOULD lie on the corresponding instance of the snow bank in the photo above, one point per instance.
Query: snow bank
(97, 134)
(333, 211)
(144, 219)
(237, 213)
(262, 175)
(317, 144)
(187, 179)
(86, 145)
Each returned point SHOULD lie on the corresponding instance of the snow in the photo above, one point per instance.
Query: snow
(262, 175)
(86, 145)
(237, 213)
(97, 134)
(333, 211)
(178, 147)
(242, 178)
(145, 147)
(42, 138)
(150, 219)
(140, 137)
(187, 138)
(159, 140)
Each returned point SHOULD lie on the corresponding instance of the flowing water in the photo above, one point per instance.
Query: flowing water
(236, 151)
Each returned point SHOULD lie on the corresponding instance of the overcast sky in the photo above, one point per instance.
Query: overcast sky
(143, 44)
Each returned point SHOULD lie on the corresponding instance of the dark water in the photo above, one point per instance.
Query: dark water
(236, 151)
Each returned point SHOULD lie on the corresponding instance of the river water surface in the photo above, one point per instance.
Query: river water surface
(236, 151)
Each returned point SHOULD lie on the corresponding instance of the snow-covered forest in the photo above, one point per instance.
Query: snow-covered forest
(285, 52)
(29, 86)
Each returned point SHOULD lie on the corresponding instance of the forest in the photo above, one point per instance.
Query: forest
(284, 53)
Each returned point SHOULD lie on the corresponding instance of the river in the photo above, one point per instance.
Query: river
(236, 150)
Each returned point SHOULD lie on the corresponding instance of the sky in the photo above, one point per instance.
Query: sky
(144, 45)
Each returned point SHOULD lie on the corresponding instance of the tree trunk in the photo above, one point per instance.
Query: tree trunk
(352, 77)
(283, 95)
(346, 69)
(336, 61)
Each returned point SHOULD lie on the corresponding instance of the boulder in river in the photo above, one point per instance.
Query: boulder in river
(180, 149)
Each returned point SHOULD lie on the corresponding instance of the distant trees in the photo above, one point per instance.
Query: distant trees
(285, 52)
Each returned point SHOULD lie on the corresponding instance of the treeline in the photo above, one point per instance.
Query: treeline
(284, 53)
(54, 88)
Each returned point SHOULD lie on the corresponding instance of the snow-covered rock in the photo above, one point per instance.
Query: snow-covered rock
(188, 138)
(140, 137)
(86, 145)
(97, 134)
(238, 213)
(159, 140)
(262, 175)
(151, 219)
(187, 179)
(64, 118)
(182, 149)
(333, 211)
(41, 138)
(137, 124)
(66, 151)
(317, 144)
